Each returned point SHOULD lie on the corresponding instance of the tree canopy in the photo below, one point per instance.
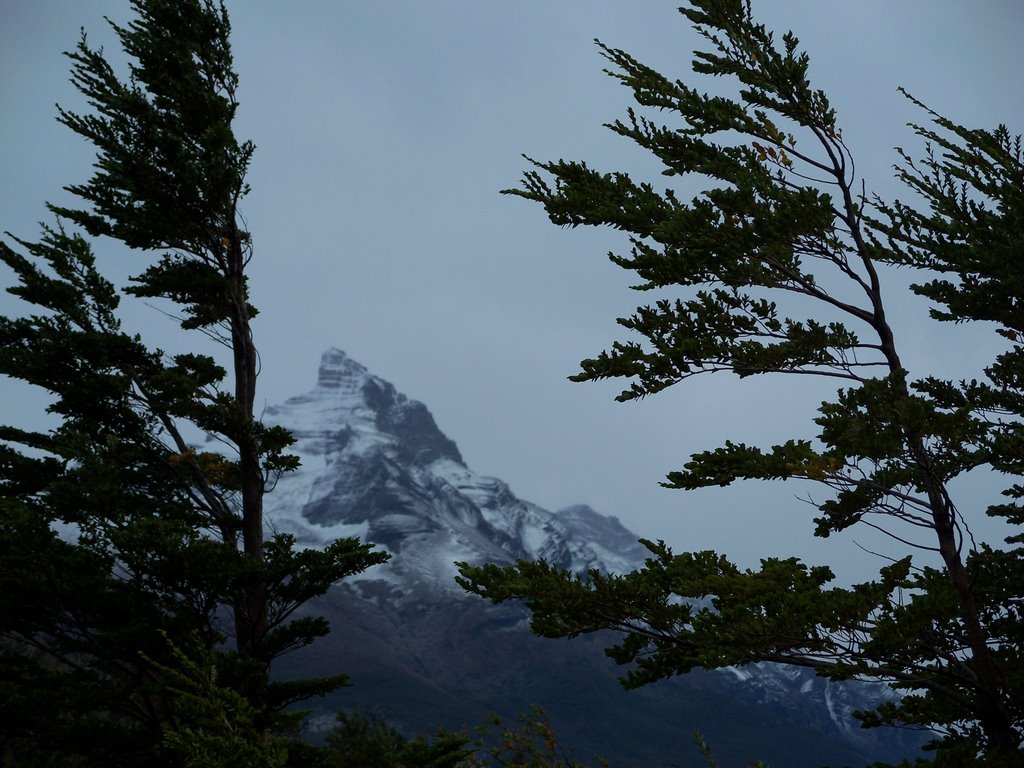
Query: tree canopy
(784, 223)
(140, 604)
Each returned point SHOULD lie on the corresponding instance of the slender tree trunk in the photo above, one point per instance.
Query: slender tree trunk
(251, 613)
(991, 709)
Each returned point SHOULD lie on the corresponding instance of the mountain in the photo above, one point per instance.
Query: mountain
(376, 465)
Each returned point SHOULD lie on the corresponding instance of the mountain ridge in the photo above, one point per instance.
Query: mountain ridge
(375, 464)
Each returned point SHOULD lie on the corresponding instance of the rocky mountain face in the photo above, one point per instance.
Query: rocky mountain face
(375, 465)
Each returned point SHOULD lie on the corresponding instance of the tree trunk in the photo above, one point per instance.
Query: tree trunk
(992, 711)
(251, 613)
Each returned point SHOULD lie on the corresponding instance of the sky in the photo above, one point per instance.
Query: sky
(385, 131)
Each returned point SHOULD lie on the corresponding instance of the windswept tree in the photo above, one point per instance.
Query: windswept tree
(130, 556)
(784, 214)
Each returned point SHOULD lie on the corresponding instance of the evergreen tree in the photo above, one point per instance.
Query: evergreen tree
(365, 739)
(784, 214)
(130, 557)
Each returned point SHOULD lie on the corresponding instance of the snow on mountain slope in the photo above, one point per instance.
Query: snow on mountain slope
(375, 465)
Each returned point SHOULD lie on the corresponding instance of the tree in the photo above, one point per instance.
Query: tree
(365, 739)
(126, 549)
(785, 215)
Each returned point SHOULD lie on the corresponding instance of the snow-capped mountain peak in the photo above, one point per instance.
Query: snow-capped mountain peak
(376, 465)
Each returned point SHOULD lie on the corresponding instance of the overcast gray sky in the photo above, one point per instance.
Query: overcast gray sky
(385, 130)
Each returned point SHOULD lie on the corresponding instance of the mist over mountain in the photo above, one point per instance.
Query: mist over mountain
(376, 465)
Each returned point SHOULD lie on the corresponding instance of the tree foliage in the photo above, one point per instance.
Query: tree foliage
(366, 739)
(131, 556)
(785, 223)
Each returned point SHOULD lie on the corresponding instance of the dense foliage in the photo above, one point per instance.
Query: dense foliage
(783, 223)
(140, 606)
